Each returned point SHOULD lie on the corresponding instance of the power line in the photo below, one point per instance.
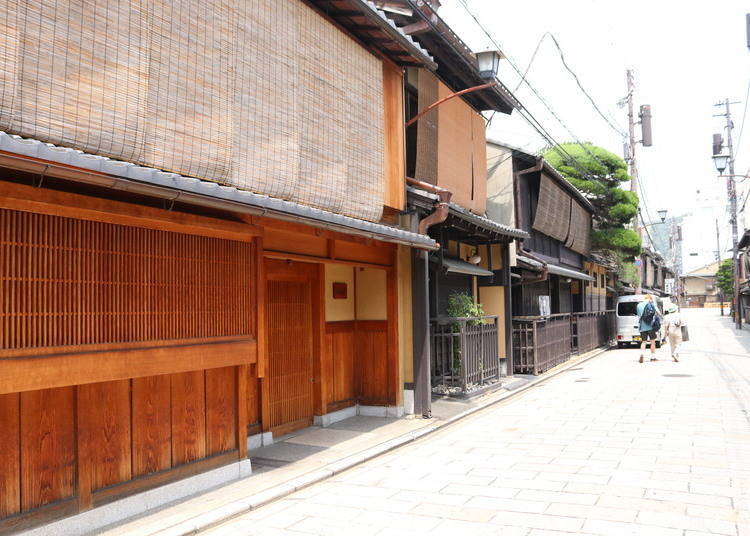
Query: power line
(569, 157)
(617, 129)
(744, 120)
(613, 126)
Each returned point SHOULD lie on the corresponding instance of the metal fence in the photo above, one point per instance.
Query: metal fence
(465, 353)
(542, 342)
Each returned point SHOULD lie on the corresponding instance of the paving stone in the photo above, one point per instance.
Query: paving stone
(460, 513)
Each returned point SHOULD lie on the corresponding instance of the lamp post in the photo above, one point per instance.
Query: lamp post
(488, 63)
(722, 162)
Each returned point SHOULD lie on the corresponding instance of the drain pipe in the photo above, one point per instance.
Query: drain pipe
(420, 278)
(441, 209)
(545, 271)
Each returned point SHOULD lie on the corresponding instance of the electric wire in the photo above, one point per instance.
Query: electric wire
(569, 157)
(744, 120)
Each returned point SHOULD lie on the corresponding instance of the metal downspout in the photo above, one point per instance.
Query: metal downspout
(421, 303)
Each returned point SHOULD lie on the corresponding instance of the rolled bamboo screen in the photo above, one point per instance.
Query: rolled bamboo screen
(264, 95)
(553, 210)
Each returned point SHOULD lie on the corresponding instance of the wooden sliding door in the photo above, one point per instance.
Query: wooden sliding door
(290, 344)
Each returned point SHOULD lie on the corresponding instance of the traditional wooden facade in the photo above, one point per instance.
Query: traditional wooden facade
(557, 218)
(560, 292)
(446, 157)
(153, 320)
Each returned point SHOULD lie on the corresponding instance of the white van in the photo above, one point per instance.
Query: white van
(627, 319)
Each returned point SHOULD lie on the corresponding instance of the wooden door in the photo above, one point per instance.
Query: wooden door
(290, 346)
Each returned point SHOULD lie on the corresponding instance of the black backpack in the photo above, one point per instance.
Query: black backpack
(649, 312)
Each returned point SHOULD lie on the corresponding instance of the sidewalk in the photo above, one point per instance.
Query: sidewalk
(313, 455)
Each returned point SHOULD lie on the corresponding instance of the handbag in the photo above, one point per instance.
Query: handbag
(685, 334)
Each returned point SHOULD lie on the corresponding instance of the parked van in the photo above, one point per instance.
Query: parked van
(627, 319)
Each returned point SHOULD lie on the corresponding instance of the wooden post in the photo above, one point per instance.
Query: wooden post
(242, 385)
(394, 364)
(509, 367)
(262, 336)
(421, 328)
(320, 386)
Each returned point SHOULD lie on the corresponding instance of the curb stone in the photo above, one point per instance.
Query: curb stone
(226, 512)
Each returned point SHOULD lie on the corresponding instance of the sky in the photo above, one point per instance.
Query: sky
(686, 56)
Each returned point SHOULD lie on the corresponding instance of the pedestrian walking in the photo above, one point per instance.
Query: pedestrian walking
(673, 327)
(649, 324)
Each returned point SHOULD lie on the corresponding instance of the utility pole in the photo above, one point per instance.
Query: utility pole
(633, 164)
(644, 117)
(631, 142)
(718, 265)
(732, 194)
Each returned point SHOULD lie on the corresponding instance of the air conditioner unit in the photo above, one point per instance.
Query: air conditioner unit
(710, 287)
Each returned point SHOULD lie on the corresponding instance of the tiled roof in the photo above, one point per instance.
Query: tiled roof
(192, 190)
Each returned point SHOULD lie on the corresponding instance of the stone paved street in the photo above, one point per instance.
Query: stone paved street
(610, 447)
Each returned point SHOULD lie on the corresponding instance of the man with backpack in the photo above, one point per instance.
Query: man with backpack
(650, 323)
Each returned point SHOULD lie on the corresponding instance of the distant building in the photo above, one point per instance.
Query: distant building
(699, 286)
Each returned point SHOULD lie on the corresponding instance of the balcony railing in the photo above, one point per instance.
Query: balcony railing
(465, 354)
(543, 342)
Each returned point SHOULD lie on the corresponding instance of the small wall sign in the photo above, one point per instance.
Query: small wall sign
(339, 291)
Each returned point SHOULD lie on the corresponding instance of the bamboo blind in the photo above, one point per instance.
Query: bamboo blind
(579, 239)
(264, 95)
(427, 128)
(72, 282)
(553, 210)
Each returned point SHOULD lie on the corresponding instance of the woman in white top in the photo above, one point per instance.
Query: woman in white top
(673, 328)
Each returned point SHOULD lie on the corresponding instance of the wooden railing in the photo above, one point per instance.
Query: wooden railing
(465, 353)
(543, 342)
(591, 330)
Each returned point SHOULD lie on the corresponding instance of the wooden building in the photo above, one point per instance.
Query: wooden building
(700, 288)
(559, 292)
(446, 163)
(743, 252)
(194, 252)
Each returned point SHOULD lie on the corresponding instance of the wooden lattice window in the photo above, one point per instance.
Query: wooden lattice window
(70, 282)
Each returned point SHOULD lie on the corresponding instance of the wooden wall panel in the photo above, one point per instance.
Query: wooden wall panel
(371, 363)
(104, 426)
(48, 446)
(152, 429)
(339, 372)
(393, 106)
(221, 412)
(10, 455)
(188, 417)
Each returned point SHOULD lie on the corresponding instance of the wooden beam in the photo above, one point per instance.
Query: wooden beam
(52, 202)
(313, 259)
(416, 28)
(44, 372)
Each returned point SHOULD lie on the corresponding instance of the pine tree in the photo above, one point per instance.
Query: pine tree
(599, 173)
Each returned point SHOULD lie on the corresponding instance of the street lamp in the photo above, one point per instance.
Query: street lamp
(721, 161)
(662, 214)
(488, 63)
